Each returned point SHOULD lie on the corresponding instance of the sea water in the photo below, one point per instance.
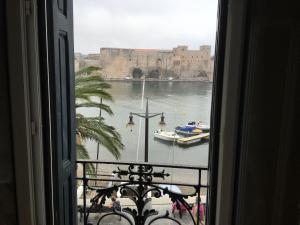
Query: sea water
(180, 101)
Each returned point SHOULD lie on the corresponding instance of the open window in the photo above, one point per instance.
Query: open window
(252, 171)
(169, 69)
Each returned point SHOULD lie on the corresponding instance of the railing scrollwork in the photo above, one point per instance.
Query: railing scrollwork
(137, 182)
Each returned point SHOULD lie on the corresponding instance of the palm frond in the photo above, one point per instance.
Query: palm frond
(93, 128)
(87, 92)
(91, 80)
(90, 104)
(89, 84)
(82, 153)
(88, 70)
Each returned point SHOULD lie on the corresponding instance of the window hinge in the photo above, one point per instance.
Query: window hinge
(28, 9)
(33, 128)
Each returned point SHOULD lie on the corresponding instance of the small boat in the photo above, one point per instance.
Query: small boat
(199, 125)
(188, 130)
(166, 135)
(192, 140)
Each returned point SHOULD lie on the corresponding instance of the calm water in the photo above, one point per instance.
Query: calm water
(180, 101)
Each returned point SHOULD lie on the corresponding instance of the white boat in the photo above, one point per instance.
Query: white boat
(199, 125)
(166, 135)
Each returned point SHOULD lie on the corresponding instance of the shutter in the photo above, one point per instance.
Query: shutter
(62, 103)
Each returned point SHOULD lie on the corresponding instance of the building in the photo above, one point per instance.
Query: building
(82, 61)
(178, 63)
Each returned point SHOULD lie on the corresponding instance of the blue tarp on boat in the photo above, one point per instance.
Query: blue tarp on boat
(186, 129)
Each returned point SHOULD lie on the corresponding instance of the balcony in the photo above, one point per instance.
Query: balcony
(145, 193)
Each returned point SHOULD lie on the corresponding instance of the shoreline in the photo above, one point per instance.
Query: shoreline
(156, 80)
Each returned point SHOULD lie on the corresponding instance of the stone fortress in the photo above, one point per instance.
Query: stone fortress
(179, 63)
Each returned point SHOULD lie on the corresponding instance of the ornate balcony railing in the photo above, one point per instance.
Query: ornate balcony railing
(140, 182)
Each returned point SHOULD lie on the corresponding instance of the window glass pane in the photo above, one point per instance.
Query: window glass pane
(156, 60)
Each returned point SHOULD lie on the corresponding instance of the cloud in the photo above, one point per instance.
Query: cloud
(143, 23)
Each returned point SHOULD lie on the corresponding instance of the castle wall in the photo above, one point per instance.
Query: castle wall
(81, 63)
(179, 63)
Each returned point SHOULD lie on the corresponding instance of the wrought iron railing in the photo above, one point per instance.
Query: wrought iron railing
(138, 181)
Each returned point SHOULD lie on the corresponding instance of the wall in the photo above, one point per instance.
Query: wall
(8, 211)
(81, 63)
(179, 63)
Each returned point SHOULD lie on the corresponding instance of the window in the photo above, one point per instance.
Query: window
(176, 95)
(59, 68)
(158, 83)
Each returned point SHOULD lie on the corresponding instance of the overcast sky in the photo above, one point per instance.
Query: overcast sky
(143, 24)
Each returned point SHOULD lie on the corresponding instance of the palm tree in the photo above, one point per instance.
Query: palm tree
(90, 87)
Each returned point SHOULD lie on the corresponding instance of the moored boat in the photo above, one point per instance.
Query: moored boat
(188, 130)
(193, 139)
(199, 125)
(166, 135)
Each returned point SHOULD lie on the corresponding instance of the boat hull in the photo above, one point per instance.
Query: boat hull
(204, 128)
(187, 133)
(194, 142)
(166, 136)
(199, 125)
